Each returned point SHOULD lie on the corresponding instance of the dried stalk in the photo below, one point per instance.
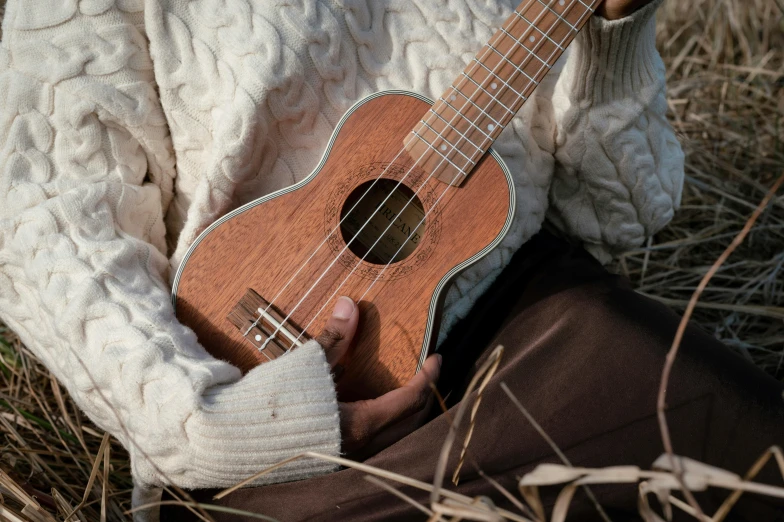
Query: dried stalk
(661, 403)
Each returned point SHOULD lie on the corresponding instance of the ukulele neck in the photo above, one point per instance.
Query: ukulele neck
(467, 118)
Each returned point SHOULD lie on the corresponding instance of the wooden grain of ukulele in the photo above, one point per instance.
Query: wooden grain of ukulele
(407, 194)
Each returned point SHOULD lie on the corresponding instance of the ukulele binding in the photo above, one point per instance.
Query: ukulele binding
(264, 326)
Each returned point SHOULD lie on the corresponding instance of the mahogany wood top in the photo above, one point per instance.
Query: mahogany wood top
(263, 247)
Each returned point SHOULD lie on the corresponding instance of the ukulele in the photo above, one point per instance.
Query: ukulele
(407, 194)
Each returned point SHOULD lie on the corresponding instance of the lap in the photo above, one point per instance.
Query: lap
(584, 354)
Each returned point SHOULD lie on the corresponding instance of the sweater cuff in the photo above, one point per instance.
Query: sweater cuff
(615, 59)
(278, 410)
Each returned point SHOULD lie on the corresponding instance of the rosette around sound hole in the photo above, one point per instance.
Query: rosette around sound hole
(382, 221)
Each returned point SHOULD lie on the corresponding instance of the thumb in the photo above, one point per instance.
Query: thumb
(339, 330)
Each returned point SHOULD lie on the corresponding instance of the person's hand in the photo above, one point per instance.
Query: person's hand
(615, 9)
(362, 421)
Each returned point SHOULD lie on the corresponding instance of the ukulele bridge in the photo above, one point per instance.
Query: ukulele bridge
(265, 327)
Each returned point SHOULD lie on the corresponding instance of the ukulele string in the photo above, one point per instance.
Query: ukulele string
(323, 242)
(381, 205)
(378, 276)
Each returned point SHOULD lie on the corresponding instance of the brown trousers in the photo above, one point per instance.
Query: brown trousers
(584, 353)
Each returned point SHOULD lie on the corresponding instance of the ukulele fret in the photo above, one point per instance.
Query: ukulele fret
(471, 121)
(547, 36)
(495, 84)
(521, 71)
(448, 127)
(493, 98)
(557, 14)
(488, 116)
(522, 45)
(445, 144)
(437, 152)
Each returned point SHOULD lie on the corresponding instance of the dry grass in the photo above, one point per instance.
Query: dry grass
(726, 84)
(46, 441)
(726, 88)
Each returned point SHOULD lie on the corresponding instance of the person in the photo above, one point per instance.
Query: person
(127, 127)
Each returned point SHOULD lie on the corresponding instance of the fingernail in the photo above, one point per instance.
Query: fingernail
(344, 307)
(440, 359)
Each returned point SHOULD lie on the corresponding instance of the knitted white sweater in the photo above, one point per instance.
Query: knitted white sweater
(126, 127)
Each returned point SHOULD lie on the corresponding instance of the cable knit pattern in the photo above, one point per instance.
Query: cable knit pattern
(127, 127)
(619, 167)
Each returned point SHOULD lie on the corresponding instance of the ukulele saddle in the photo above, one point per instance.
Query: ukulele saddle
(264, 326)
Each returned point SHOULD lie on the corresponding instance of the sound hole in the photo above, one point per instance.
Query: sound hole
(387, 223)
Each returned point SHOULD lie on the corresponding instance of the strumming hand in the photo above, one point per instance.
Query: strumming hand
(363, 421)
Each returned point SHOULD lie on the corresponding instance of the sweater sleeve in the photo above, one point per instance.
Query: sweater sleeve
(619, 167)
(86, 175)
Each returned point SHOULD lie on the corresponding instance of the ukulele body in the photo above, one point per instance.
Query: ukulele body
(293, 248)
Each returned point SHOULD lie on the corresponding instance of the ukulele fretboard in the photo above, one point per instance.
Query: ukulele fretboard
(468, 117)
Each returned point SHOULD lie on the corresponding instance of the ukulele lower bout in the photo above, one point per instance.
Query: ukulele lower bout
(366, 223)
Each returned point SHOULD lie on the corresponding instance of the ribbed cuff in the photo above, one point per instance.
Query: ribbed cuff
(615, 59)
(276, 411)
